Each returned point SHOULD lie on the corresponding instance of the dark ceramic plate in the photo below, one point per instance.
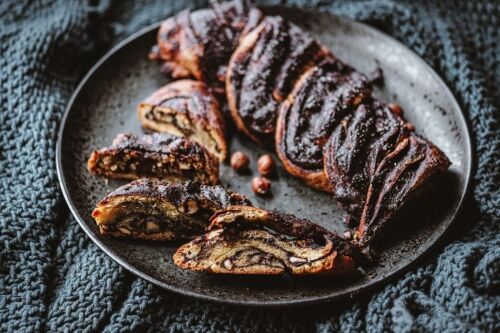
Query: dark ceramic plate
(105, 104)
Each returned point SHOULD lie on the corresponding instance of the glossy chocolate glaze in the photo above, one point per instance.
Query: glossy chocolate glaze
(282, 85)
(262, 72)
(202, 41)
(214, 197)
(323, 96)
(157, 155)
(178, 210)
(399, 177)
(356, 148)
(156, 143)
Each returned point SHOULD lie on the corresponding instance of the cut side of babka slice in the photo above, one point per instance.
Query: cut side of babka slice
(247, 240)
(186, 108)
(155, 210)
(162, 156)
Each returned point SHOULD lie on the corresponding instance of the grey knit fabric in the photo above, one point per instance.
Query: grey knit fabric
(52, 278)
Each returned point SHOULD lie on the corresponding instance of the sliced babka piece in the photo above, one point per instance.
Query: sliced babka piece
(199, 43)
(262, 72)
(186, 108)
(322, 97)
(356, 148)
(152, 209)
(247, 240)
(162, 156)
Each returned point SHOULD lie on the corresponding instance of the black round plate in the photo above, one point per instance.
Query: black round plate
(105, 104)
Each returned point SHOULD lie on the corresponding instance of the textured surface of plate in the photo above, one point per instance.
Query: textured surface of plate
(105, 104)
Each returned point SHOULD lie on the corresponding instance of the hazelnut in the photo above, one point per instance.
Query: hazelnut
(347, 234)
(192, 207)
(107, 160)
(261, 185)
(96, 213)
(410, 127)
(265, 165)
(295, 260)
(152, 227)
(228, 264)
(184, 166)
(124, 231)
(396, 108)
(239, 161)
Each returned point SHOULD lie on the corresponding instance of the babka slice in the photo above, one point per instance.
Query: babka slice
(247, 240)
(151, 209)
(163, 156)
(186, 108)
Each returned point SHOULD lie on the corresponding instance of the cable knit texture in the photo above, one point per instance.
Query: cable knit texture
(52, 278)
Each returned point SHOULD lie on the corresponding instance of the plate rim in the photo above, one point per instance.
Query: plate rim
(384, 279)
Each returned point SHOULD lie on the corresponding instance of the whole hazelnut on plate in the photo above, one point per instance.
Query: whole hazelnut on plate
(410, 127)
(239, 161)
(261, 185)
(265, 165)
(395, 108)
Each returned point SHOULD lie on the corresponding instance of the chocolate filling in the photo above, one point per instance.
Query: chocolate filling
(262, 74)
(322, 99)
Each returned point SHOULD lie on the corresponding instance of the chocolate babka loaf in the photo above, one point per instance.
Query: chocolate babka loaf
(151, 209)
(284, 88)
(247, 240)
(186, 108)
(262, 72)
(324, 95)
(199, 43)
(163, 156)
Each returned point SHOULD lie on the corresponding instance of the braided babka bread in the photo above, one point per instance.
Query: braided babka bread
(285, 89)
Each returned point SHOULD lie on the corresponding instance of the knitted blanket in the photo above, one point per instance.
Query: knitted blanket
(53, 278)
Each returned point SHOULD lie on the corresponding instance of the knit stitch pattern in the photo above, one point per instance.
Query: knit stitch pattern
(53, 278)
